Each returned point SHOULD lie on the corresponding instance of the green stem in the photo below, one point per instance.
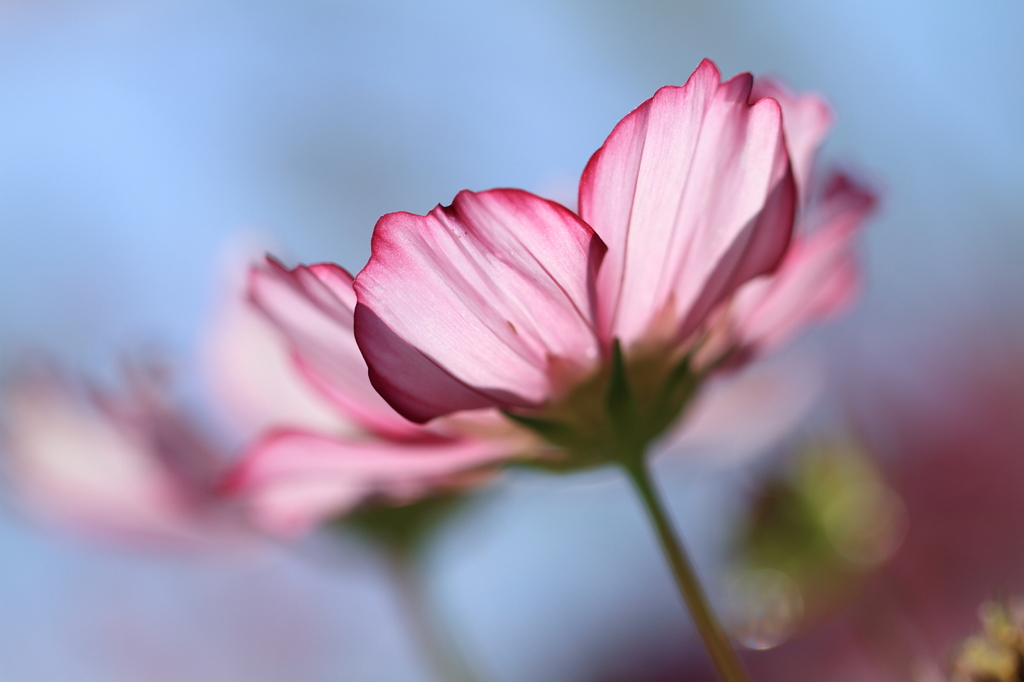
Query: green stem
(715, 639)
(435, 641)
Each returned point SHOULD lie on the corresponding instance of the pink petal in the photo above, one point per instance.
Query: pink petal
(693, 194)
(250, 370)
(116, 467)
(477, 304)
(819, 276)
(291, 481)
(313, 307)
(806, 120)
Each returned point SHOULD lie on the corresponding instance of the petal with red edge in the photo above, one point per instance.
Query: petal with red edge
(472, 305)
(693, 194)
(819, 276)
(250, 369)
(806, 120)
(313, 307)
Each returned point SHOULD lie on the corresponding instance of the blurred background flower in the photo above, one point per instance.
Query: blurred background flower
(120, 464)
(137, 137)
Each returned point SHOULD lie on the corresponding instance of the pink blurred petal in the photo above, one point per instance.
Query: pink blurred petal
(806, 120)
(469, 306)
(819, 276)
(250, 370)
(313, 307)
(693, 194)
(293, 480)
(120, 467)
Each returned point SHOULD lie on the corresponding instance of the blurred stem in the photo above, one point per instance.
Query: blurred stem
(715, 640)
(434, 640)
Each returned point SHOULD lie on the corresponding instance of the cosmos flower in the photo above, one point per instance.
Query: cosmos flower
(594, 330)
(122, 466)
(296, 475)
(681, 255)
(506, 300)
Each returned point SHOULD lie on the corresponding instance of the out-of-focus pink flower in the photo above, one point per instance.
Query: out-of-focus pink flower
(294, 478)
(124, 466)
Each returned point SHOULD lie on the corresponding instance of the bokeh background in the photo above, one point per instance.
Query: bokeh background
(139, 139)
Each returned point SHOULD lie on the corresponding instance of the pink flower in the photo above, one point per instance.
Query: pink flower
(504, 299)
(123, 466)
(682, 249)
(294, 478)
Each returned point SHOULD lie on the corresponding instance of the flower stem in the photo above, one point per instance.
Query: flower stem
(715, 640)
(435, 641)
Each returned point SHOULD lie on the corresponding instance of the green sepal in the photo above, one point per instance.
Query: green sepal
(676, 393)
(614, 414)
(619, 399)
(554, 432)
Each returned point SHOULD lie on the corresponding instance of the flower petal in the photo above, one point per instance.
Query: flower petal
(819, 276)
(313, 307)
(806, 120)
(477, 303)
(250, 370)
(118, 467)
(693, 194)
(291, 481)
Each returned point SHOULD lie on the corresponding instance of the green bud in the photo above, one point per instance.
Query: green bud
(824, 522)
